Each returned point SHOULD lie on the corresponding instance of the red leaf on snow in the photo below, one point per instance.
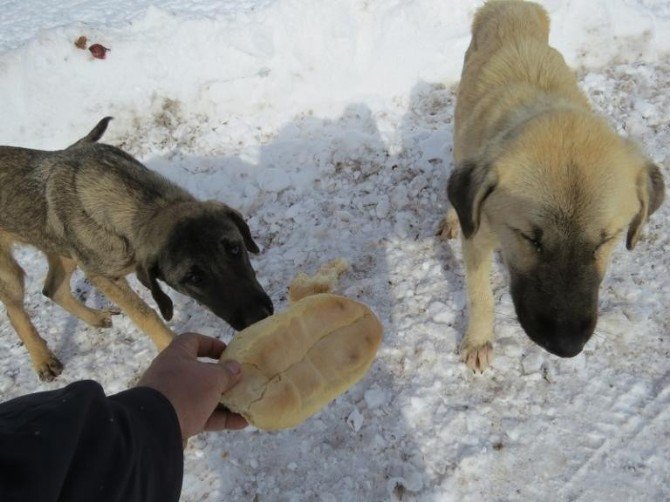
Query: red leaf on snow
(98, 51)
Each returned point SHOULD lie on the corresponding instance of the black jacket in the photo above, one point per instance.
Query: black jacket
(77, 444)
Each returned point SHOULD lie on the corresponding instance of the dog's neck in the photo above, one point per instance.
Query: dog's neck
(154, 225)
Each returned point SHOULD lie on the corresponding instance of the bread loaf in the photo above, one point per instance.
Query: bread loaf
(296, 362)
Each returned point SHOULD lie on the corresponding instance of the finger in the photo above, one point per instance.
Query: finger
(228, 373)
(197, 345)
(222, 420)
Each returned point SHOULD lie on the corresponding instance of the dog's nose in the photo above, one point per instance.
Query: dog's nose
(567, 338)
(261, 309)
(564, 350)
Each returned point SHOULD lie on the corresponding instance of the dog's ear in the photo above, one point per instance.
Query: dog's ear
(148, 276)
(655, 187)
(650, 192)
(244, 230)
(469, 186)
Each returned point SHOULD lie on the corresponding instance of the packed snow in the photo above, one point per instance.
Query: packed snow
(329, 125)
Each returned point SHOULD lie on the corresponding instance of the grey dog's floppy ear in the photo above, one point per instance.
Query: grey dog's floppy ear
(469, 186)
(148, 276)
(244, 230)
(650, 192)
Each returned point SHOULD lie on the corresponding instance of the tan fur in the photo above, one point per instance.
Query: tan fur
(531, 147)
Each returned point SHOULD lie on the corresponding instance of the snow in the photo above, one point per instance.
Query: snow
(329, 125)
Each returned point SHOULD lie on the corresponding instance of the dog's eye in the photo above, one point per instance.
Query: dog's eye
(535, 242)
(232, 248)
(605, 240)
(194, 277)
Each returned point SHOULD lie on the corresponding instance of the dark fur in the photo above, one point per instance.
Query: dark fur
(556, 301)
(468, 187)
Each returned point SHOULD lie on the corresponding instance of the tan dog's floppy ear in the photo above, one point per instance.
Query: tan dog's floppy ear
(469, 186)
(656, 187)
(650, 192)
(244, 230)
(148, 275)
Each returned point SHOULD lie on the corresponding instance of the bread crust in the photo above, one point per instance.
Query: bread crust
(296, 362)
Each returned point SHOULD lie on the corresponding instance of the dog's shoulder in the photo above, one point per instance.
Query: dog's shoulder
(98, 166)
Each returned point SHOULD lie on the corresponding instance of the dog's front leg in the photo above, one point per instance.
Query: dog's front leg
(476, 350)
(120, 292)
(57, 287)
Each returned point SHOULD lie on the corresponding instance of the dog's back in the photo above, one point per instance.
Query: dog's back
(24, 174)
(509, 66)
(500, 22)
(103, 188)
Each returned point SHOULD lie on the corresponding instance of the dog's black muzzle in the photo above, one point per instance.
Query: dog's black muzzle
(559, 316)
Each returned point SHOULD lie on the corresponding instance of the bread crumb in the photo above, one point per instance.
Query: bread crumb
(324, 281)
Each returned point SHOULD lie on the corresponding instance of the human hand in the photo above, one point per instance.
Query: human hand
(194, 387)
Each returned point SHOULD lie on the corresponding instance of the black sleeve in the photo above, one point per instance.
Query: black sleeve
(77, 444)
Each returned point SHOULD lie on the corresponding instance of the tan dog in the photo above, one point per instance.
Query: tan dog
(95, 207)
(539, 175)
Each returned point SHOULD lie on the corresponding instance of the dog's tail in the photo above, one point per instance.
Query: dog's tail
(95, 134)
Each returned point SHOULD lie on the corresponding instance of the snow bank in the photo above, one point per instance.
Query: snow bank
(259, 63)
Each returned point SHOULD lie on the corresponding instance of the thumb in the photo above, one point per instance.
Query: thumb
(232, 372)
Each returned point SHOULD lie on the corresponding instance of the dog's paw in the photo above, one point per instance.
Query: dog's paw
(49, 369)
(477, 357)
(103, 318)
(449, 226)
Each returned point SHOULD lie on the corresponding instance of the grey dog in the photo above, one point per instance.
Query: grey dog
(95, 207)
